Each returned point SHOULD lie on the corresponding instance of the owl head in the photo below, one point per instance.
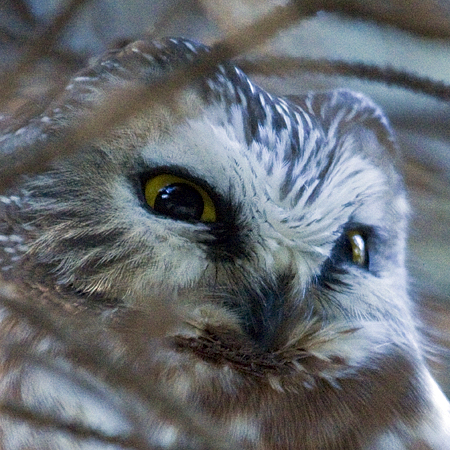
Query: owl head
(260, 212)
(274, 228)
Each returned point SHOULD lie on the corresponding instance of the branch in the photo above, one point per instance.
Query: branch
(36, 150)
(426, 18)
(289, 66)
(39, 46)
(77, 430)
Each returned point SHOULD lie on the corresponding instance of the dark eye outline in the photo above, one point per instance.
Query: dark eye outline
(153, 185)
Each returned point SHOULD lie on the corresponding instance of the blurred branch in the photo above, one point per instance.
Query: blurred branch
(35, 154)
(426, 18)
(77, 430)
(22, 9)
(164, 20)
(37, 151)
(38, 47)
(290, 66)
(90, 354)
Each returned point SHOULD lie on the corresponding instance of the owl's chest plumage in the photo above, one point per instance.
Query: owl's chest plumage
(256, 397)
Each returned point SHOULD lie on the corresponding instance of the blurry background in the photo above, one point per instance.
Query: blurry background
(421, 123)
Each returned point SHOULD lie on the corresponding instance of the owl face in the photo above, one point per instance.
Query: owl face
(259, 212)
(272, 228)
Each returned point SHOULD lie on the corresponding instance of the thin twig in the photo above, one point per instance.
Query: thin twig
(283, 66)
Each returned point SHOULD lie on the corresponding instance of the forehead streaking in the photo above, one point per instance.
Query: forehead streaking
(287, 162)
(290, 175)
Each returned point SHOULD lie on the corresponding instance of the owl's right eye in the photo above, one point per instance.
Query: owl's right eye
(353, 247)
(179, 198)
(357, 248)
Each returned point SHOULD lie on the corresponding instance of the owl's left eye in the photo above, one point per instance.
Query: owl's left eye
(179, 198)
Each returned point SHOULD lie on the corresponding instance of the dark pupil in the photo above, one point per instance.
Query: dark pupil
(180, 201)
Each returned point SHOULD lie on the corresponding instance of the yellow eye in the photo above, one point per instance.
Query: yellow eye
(179, 198)
(358, 247)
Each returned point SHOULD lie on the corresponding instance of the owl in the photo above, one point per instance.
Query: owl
(235, 259)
